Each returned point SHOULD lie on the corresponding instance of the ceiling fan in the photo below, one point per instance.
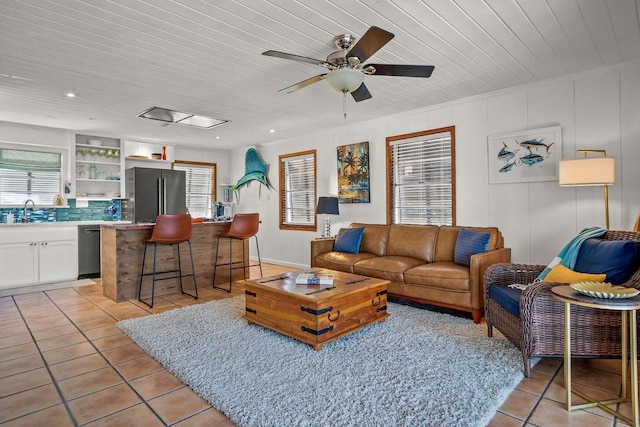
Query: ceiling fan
(347, 68)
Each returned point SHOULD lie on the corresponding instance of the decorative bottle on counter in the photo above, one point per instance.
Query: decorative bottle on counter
(164, 152)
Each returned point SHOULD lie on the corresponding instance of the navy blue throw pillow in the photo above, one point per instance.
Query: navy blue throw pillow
(469, 243)
(348, 240)
(618, 259)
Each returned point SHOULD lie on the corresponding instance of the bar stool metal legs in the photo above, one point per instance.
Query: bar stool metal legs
(154, 272)
(231, 262)
(243, 227)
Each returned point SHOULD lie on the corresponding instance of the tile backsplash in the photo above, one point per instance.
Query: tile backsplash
(98, 210)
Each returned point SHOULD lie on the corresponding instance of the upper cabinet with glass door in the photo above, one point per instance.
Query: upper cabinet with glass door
(99, 167)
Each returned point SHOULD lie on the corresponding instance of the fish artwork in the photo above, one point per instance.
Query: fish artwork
(505, 154)
(255, 169)
(507, 168)
(536, 144)
(531, 159)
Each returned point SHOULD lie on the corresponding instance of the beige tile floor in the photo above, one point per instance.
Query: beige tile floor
(63, 363)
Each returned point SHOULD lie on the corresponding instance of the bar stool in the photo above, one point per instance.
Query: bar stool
(169, 230)
(243, 226)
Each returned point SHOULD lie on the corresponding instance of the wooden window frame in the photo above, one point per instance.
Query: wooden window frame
(282, 196)
(389, 160)
(214, 173)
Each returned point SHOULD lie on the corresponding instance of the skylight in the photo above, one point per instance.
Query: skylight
(189, 119)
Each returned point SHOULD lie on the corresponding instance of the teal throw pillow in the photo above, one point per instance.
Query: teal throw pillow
(618, 259)
(469, 243)
(348, 240)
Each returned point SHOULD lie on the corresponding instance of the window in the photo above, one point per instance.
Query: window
(26, 174)
(421, 177)
(298, 191)
(201, 186)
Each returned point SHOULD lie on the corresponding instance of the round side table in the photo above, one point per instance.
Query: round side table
(628, 307)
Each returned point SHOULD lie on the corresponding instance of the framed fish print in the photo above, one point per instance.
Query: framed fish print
(525, 156)
(353, 173)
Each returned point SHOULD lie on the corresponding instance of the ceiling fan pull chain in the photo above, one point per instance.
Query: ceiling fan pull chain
(344, 103)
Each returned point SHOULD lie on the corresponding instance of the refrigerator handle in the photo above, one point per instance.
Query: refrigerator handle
(164, 196)
(159, 188)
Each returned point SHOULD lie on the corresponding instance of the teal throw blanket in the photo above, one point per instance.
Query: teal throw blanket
(569, 254)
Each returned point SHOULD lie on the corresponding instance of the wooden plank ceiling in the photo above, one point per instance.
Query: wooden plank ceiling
(123, 56)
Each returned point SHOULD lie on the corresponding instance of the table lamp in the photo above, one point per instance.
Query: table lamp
(589, 171)
(327, 206)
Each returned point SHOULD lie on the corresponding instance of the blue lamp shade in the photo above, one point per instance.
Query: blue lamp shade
(328, 206)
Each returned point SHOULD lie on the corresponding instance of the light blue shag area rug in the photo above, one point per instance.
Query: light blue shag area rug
(418, 368)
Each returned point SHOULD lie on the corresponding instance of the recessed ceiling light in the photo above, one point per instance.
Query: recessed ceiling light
(71, 95)
(272, 130)
(218, 137)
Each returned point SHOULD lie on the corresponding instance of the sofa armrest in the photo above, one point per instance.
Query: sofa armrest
(320, 246)
(479, 263)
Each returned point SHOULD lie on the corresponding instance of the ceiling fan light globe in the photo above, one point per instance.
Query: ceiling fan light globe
(345, 79)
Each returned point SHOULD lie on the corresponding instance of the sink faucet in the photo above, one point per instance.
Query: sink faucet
(25, 218)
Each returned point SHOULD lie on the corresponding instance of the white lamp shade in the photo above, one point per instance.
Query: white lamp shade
(345, 79)
(587, 171)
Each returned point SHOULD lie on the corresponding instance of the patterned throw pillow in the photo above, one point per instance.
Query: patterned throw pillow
(469, 243)
(348, 240)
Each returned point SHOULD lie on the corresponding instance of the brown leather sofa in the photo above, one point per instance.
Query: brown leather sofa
(418, 260)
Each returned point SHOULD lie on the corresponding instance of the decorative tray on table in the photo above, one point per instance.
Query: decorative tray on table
(604, 290)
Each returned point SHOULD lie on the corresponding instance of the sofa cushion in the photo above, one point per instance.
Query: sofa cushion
(448, 235)
(562, 274)
(469, 243)
(506, 297)
(340, 261)
(374, 238)
(415, 241)
(386, 267)
(442, 275)
(348, 240)
(618, 259)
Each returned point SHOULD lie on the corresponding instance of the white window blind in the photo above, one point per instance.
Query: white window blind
(298, 192)
(422, 183)
(200, 186)
(26, 174)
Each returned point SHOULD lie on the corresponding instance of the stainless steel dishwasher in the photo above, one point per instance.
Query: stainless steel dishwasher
(88, 251)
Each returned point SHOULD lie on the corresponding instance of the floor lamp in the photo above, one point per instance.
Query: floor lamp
(327, 206)
(589, 171)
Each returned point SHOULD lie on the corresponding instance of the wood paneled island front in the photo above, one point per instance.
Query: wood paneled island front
(122, 246)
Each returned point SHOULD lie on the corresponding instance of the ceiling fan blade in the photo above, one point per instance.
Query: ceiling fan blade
(402, 70)
(303, 83)
(370, 43)
(361, 93)
(293, 57)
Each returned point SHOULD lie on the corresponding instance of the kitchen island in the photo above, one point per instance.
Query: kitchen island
(122, 246)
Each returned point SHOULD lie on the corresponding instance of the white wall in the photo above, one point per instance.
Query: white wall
(41, 136)
(597, 109)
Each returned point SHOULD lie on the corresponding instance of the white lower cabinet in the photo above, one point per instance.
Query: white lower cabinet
(19, 264)
(37, 254)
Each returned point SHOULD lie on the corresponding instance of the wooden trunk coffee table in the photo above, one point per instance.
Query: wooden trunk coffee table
(316, 314)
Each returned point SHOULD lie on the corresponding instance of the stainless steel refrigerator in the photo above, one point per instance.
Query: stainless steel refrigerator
(152, 192)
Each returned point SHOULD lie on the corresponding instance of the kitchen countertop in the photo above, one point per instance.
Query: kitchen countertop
(61, 223)
(126, 225)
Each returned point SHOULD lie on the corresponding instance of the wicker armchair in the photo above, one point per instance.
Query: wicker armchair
(539, 332)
